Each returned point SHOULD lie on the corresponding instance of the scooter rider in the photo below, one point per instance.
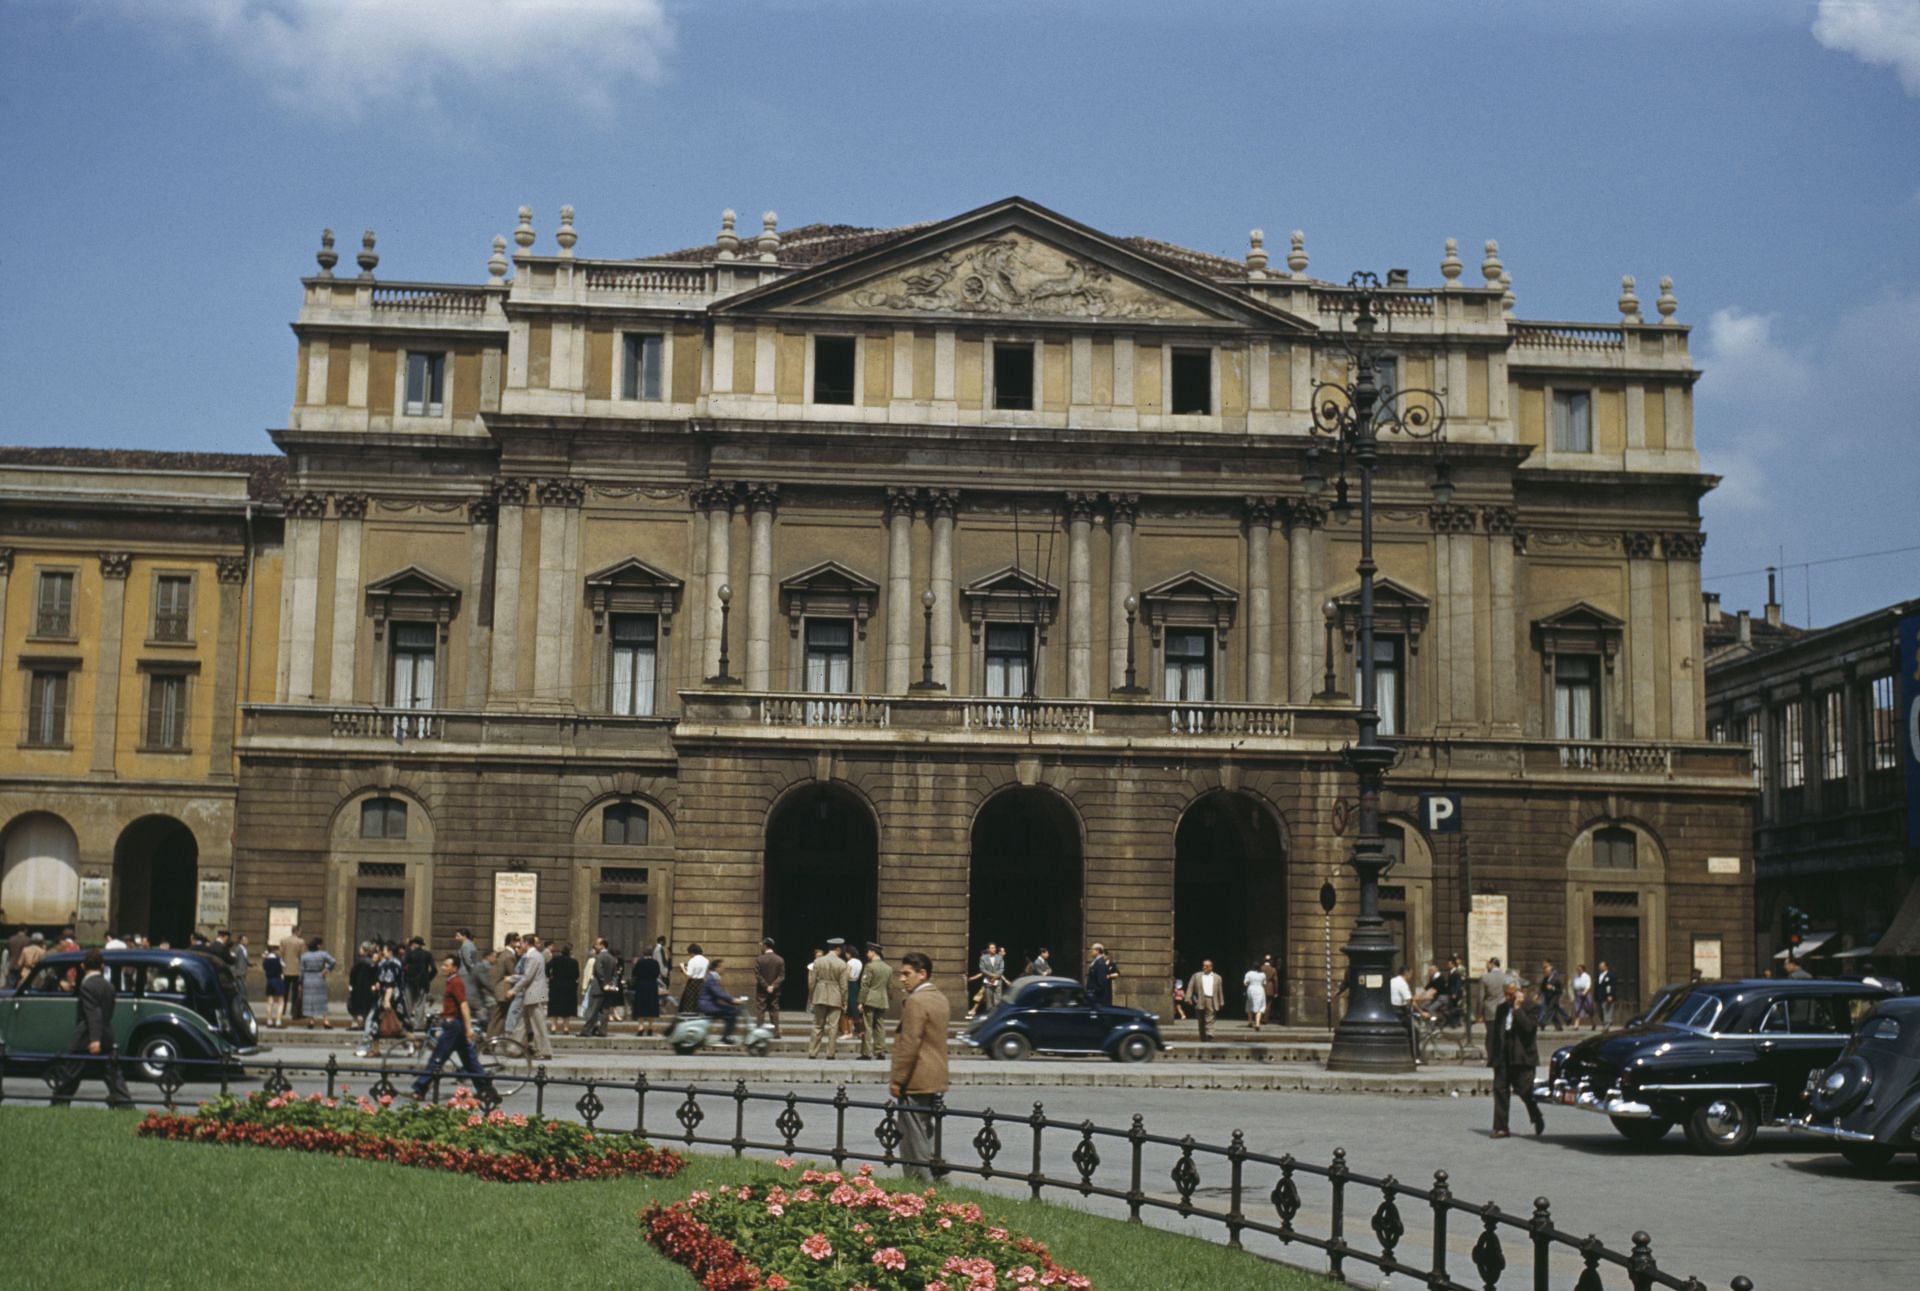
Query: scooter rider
(715, 1002)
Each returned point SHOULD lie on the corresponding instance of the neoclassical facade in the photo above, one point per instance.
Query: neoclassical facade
(959, 582)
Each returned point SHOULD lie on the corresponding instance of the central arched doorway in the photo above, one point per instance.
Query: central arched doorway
(1230, 892)
(40, 877)
(1024, 883)
(822, 877)
(156, 871)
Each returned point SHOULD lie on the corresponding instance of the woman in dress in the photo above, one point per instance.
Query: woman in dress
(315, 964)
(276, 970)
(1256, 983)
(1583, 1000)
(644, 981)
(563, 985)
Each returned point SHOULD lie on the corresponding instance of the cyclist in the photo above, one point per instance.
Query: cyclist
(456, 1031)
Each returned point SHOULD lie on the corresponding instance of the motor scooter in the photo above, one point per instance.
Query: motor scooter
(692, 1030)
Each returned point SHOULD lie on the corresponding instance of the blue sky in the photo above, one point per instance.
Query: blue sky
(168, 165)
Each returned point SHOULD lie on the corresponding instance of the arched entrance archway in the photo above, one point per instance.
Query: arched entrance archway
(822, 877)
(156, 871)
(1230, 892)
(1025, 879)
(40, 880)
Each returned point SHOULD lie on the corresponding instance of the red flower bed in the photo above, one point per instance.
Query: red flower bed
(454, 1136)
(846, 1233)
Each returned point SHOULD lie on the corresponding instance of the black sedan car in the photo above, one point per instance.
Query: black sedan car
(1868, 1103)
(1054, 1015)
(1719, 1059)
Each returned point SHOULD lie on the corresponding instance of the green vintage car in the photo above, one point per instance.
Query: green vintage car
(173, 1004)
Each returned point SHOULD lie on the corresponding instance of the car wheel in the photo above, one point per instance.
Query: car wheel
(1011, 1046)
(1135, 1048)
(1723, 1125)
(156, 1054)
(1641, 1131)
(1867, 1156)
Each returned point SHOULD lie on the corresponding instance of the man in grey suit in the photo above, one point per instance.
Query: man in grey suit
(1493, 991)
(529, 986)
(827, 994)
(603, 984)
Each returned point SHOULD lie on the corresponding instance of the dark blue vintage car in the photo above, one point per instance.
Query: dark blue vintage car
(1868, 1103)
(1054, 1015)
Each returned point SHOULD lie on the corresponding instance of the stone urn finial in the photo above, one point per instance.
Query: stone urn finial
(368, 258)
(1666, 304)
(1256, 253)
(497, 262)
(1297, 254)
(566, 237)
(1629, 303)
(326, 255)
(1450, 265)
(1506, 292)
(523, 232)
(1490, 268)
(769, 242)
(726, 239)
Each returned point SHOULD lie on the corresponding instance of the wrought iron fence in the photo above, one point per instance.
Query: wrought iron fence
(1275, 1197)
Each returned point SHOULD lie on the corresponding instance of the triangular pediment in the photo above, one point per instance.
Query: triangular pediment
(1190, 586)
(1011, 260)
(1385, 592)
(829, 576)
(412, 581)
(633, 572)
(1011, 581)
(1582, 615)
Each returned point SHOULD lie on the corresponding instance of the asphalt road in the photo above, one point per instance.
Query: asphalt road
(1785, 1215)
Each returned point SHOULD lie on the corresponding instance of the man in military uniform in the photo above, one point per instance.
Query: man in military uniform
(874, 999)
(827, 995)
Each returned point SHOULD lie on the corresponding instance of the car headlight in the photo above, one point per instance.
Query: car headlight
(1834, 1083)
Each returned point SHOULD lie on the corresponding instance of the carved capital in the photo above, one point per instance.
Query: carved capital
(231, 569)
(1638, 546)
(510, 492)
(1450, 518)
(1261, 510)
(307, 506)
(1498, 520)
(1080, 507)
(562, 493)
(115, 564)
(716, 495)
(482, 510)
(1683, 546)
(1123, 508)
(350, 506)
(1305, 513)
(900, 502)
(943, 503)
(762, 497)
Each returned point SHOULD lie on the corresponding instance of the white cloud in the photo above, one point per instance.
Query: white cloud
(1880, 33)
(347, 55)
(1744, 364)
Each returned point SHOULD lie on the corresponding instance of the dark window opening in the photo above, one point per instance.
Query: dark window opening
(1192, 391)
(47, 709)
(1013, 377)
(624, 824)
(167, 711)
(640, 367)
(172, 603)
(54, 616)
(833, 369)
(426, 384)
(383, 818)
(1613, 849)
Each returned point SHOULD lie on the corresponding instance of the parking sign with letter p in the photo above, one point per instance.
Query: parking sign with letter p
(1440, 813)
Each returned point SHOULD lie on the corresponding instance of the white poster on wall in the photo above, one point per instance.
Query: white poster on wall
(1487, 931)
(281, 921)
(1706, 956)
(516, 900)
(94, 893)
(213, 905)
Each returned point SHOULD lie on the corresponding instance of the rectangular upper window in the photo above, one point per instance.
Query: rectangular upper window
(1189, 665)
(635, 645)
(1009, 661)
(1572, 421)
(1013, 377)
(1793, 747)
(166, 711)
(1833, 735)
(53, 616)
(47, 708)
(1192, 383)
(426, 383)
(1576, 697)
(1884, 728)
(1389, 682)
(833, 369)
(172, 605)
(640, 366)
(829, 644)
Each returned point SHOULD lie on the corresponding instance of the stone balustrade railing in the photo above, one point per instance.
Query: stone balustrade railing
(1568, 336)
(429, 298)
(672, 280)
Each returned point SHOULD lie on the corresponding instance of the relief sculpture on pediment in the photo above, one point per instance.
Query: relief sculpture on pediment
(1011, 275)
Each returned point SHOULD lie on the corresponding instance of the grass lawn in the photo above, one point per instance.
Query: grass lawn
(99, 1207)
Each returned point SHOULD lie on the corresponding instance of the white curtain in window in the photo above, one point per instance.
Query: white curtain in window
(633, 680)
(1573, 710)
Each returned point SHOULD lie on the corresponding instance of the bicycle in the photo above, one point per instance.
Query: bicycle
(507, 1062)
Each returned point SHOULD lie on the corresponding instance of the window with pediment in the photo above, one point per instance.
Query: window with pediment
(411, 611)
(1578, 647)
(1008, 614)
(1399, 621)
(827, 608)
(632, 605)
(1188, 619)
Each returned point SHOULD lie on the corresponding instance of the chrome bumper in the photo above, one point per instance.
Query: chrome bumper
(1562, 1094)
(1829, 1132)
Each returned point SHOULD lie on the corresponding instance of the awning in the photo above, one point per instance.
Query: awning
(1808, 944)
(1903, 934)
(1858, 952)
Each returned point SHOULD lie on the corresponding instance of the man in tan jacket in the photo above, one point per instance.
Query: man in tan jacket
(918, 1079)
(827, 994)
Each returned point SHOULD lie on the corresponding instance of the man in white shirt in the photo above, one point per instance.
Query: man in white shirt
(1205, 995)
(851, 1023)
(1400, 996)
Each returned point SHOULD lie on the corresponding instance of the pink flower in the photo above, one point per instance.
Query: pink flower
(944, 1222)
(776, 1283)
(496, 1117)
(843, 1196)
(890, 1258)
(785, 1163)
(386, 1100)
(997, 1234)
(519, 1121)
(817, 1247)
(775, 1209)
(474, 1118)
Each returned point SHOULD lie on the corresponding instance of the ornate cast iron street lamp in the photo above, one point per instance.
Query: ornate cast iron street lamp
(1352, 416)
